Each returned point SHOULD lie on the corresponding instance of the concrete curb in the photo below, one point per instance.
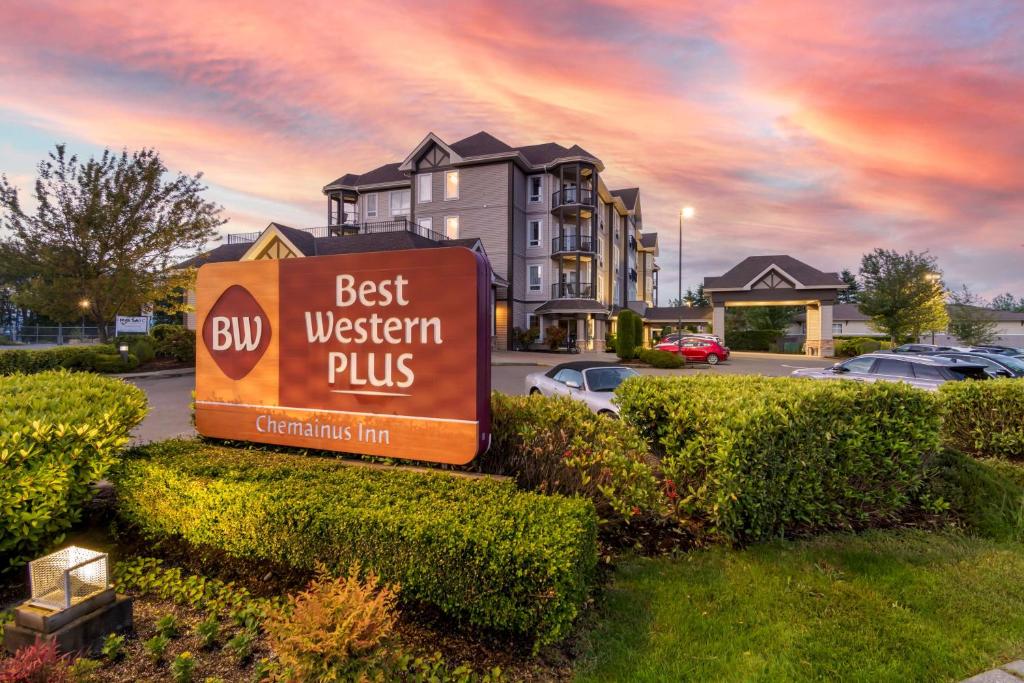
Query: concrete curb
(157, 374)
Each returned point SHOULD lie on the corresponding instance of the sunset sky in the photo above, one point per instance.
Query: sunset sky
(820, 129)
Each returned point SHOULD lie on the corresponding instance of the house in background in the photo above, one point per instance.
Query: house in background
(566, 250)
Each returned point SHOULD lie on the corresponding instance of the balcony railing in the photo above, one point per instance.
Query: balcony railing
(397, 225)
(573, 243)
(572, 196)
(572, 290)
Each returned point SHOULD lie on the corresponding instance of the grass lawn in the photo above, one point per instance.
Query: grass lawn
(883, 606)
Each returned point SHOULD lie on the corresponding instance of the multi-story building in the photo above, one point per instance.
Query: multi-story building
(566, 250)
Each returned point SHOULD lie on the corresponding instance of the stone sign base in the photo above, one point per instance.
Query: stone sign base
(79, 629)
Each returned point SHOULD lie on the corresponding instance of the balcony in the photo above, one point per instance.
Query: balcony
(377, 227)
(572, 197)
(572, 244)
(572, 290)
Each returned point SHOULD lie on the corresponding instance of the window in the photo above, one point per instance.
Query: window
(565, 376)
(371, 205)
(351, 213)
(532, 322)
(451, 227)
(426, 225)
(893, 368)
(424, 187)
(533, 278)
(858, 364)
(451, 184)
(533, 233)
(923, 371)
(400, 202)
(536, 188)
(837, 328)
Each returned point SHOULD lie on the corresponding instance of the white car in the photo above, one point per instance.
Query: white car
(592, 382)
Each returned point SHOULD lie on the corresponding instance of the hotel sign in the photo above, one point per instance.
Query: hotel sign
(382, 354)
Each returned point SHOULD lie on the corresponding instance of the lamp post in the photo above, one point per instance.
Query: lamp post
(84, 305)
(687, 212)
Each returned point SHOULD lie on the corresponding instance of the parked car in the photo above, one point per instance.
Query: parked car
(672, 338)
(593, 382)
(1002, 350)
(996, 364)
(919, 370)
(923, 348)
(696, 349)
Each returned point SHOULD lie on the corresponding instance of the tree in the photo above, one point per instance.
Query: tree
(103, 234)
(902, 293)
(1007, 302)
(851, 294)
(625, 341)
(970, 320)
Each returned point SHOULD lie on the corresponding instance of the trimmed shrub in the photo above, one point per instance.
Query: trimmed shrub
(984, 418)
(662, 359)
(625, 340)
(95, 358)
(558, 445)
(609, 343)
(756, 457)
(752, 340)
(59, 432)
(868, 346)
(176, 342)
(142, 346)
(481, 551)
(638, 331)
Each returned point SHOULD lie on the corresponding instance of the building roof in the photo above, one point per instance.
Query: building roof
(628, 196)
(670, 314)
(572, 306)
(649, 240)
(479, 144)
(743, 273)
(362, 243)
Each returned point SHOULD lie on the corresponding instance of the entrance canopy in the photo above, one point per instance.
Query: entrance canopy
(778, 280)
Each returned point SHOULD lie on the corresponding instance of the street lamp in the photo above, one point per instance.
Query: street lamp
(686, 213)
(84, 305)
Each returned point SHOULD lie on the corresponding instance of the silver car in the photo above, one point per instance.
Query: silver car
(923, 372)
(592, 382)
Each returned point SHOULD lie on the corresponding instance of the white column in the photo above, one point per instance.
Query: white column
(827, 345)
(718, 322)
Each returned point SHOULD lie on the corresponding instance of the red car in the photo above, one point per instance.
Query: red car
(700, 349)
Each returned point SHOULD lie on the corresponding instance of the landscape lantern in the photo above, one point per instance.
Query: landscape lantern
(67, 577)
(123, 348)
(72, 602)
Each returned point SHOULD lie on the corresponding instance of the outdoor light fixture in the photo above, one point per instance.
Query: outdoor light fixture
(84, 303)
(123, 348)
(67, 577)
(72, 603)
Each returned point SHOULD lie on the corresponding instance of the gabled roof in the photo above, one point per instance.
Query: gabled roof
(649, 240)
(628, 196)
(746, 272)
(300, 238)
(480, 144)
(386, 174)
(219, 254)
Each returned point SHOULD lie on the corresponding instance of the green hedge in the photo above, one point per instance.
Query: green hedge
(752, 340)
(625, 334)
(661, 359)
(558, 445)
(58, 433)
(480, 550)
(984, 418)
(94, 358)
(756, 457)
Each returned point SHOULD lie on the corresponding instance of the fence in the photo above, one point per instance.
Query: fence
(56, 334)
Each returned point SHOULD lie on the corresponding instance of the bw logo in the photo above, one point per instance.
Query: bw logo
(236, 332)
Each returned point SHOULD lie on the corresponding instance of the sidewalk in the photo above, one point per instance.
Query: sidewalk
(1007, 673)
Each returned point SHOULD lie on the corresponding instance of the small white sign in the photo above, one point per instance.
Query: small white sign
(131, 324)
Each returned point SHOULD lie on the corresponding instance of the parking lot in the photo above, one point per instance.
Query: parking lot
(169, 397)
